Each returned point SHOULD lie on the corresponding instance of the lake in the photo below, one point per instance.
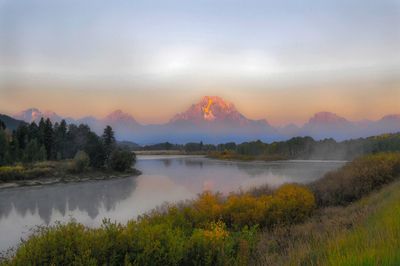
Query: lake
(164, 179)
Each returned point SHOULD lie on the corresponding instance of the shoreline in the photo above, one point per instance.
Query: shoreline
(168, 152)
(71, 178)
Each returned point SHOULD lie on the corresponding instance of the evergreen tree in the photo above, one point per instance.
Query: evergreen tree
(2, 125)
(14, 151)
(42, 155)
(95, 149)
(42, 126)
(31, 152)
(48, 138)
(33, 132)
(108, 141)
(22, 136)
(60, 139)
(3, 146)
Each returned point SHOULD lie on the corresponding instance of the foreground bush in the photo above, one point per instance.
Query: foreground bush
(211, 230)
(357, 179)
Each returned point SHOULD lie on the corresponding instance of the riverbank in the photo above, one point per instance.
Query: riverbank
(266, 226)
(234, 156)
(168, 152)
(52, 172)
(366, 232)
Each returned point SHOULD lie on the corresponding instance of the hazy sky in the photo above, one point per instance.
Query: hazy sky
(279, 60)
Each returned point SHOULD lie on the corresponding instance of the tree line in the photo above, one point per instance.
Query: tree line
(59, 141)
(305, 147)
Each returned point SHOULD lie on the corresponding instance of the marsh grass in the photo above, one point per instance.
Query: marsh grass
(366, 232)
(375, 241)
(56, 171)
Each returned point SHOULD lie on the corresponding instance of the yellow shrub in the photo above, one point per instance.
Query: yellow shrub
(291, 203)
(207, 207)
(245, 209)
(216, 232)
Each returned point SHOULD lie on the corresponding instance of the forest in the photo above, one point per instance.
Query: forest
(77, 148)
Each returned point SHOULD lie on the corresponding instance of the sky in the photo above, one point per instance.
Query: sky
(279, 60)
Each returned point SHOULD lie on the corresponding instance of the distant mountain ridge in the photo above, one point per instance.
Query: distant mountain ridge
(34, 115)
(214, 120)
(11, 123)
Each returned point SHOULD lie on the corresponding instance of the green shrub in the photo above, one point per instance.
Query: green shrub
(80, 162)
(210, 230)
(121, 160)
(356, 179)
(211, 246)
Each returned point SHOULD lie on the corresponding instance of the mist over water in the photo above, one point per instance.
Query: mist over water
(164, 179)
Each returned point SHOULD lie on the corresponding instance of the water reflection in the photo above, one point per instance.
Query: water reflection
(164, 178)
(197, 173)
(88, 197)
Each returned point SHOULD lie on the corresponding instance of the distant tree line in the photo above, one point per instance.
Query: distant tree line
(295, 148)
(308, 148)
(47, 141)
(162, 146)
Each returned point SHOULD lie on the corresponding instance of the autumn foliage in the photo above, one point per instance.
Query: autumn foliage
(357, 179)
(211, 230)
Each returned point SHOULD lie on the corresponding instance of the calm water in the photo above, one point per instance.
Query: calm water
(165, 178)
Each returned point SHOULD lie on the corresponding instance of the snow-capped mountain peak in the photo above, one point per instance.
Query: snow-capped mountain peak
(34, 115)
(211, 109)
(119, 116)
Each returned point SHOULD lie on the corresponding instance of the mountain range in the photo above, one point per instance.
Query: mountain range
(214, 120)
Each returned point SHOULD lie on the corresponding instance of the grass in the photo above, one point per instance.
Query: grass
(57, 171)
(366, 232)
(374, 242)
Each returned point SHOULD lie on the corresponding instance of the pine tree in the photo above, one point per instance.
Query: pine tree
(42, 155)
(95, 149)
(31, 152)
(3, 146)
(33, 132)
(22, 136)
(108, 141)
(14, 150)
(2, 125)
(48, 138)
(60, 139)
(42, 128)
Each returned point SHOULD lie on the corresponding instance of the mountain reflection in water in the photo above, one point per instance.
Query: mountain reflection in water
(164, 179)
(87, 196)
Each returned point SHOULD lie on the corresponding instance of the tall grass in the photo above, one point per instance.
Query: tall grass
(375, 242)
(356, 224)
